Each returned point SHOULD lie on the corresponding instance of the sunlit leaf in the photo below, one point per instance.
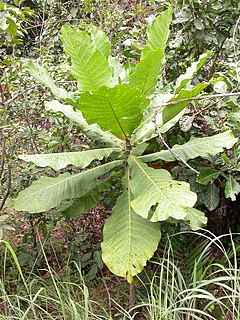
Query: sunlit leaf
(158, 33)
(148, 72)
(205, 147)
(89, 65)
(118, 109)
(100, 40)
(195, 218)
(42, 76)
(93, 131)
(183, 80)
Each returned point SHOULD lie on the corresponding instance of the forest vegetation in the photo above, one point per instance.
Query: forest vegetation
(119, 159)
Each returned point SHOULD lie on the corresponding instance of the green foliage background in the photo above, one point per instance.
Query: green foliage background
(196, 28)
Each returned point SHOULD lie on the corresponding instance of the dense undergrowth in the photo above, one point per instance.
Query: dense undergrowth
(58, 272)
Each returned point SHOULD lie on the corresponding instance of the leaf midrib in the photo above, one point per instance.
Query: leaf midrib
(87, 172)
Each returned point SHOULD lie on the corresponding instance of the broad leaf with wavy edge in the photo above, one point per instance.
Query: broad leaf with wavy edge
(93, 131)
(196, 147)
(89, 66)
(59, 161)
(49, 192)
(128, 239)
(158, 33)
(147, 72)
(154, 189)
(117, 109)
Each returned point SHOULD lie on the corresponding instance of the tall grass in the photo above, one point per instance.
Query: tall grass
(181, 287)
(52, 298)
(207, 290)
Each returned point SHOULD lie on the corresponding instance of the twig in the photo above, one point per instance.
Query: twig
(154, 119)
(235, 48)
(167, 146)
(21, 93)
(3, 142)
(202, 97)
(8, 188)
(30, 130)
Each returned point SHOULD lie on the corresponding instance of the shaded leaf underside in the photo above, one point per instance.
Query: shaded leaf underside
(49, 192)
(58, 161)
(128, 239)
(155, 187)
(196, 147)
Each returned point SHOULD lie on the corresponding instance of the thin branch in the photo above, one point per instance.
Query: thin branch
(202, 97)
(21, 93)
(31, 130)
(3, 141)
(8, 188)
(167, 146)
(235, 47)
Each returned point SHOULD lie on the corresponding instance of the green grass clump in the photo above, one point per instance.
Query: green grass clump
(183, 283)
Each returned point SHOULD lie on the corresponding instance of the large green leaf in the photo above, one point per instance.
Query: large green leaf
(48, 192)
(58, 161)
(74, 207)
(232, 188)
(128, 239)
(196, 147)
(42, 75)
(89, 66)
(117, 109)
(147, 72)
(158, 33)
(146, 130)
(183, 80)
(92, 131)
(100, 40)
(154, 189)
